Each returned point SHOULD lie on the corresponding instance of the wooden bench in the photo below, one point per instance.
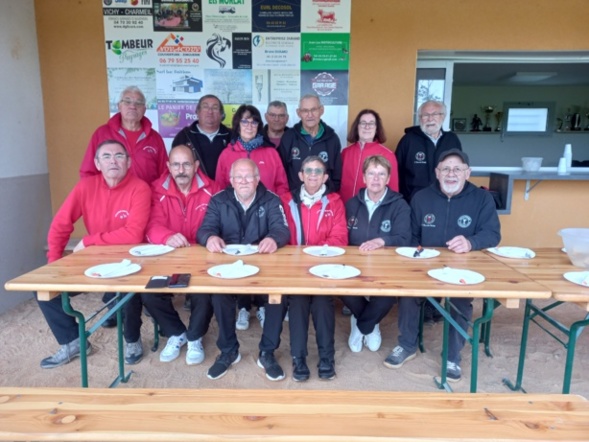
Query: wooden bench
(285, 415)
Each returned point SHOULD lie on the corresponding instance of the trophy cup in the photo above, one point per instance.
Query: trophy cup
(488, 110)
(498, 119)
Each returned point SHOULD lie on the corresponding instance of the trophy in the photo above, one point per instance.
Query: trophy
(498, 119)
(488, 110)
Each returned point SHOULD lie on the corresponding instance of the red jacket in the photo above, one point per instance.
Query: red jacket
(323, 223)
(272, 172)
(116, 215)
(352, 160)
(172, 212)
(148, 156)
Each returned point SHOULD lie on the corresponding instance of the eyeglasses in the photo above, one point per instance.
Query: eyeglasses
(313, 171)
(313, 110)
(379, 175)
(457, 170)
(246, 178)
(117, 156)
(129, 102)
(185, 165)
(274, 116)
(251, 123)
(433, 115)
(367, 124)
(206, 107)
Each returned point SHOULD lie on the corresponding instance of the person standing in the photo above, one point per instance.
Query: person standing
(277, 120)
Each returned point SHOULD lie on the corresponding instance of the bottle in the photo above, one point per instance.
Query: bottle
(568, 155)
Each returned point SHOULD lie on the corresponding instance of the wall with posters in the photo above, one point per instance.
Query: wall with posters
(385, 36)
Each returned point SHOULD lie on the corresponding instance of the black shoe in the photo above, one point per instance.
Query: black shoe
(453, 372)
(268, 362)
(326, 369)
(398, 357)
(112, 321)
(300, 370)
(431, 315)
(133, 352)
(222, 364)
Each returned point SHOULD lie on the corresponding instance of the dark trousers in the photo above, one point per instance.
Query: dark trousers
(65, 327)
(409, 310)
(322, 310)
(368, 313)
(162, 310)
(246, 301)
(224, 309)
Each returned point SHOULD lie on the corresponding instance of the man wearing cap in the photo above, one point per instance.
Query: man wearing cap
(456, 214)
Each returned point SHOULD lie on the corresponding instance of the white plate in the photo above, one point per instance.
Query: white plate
(334, 271)
(113, 270)
(580, 278)
(151, 250)
(233, 271)
(456, 276)
(564, 250)
(410, 251)
(513, 252)
(324, 251)
(240, 249)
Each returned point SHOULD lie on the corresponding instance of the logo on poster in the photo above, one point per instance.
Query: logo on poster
(173, 44)
(215, 45)
(129, 50)
(258, 40)
(324, 84)
(326, 17)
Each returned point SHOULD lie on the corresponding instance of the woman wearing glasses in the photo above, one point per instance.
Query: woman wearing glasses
(366, 136)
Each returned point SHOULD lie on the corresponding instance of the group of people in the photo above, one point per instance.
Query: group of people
(271, 185)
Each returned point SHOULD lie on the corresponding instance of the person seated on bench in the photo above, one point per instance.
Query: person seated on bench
(115, 208)
(456, 214)
(377, 217)
(180, 198)
(315, 216)
(245, 213)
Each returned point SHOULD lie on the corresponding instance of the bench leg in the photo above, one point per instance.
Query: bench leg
(575, 331)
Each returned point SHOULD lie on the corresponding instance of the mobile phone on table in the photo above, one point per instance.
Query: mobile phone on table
(179, 280)
(158, 282)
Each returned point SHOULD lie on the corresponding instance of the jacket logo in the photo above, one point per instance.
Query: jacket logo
(464, 221)
(122, 214)
(429, 219)
(150, 149)
(324, 156)
(385, 226)
(201, 208)
(420, 157)
(261, 212)
(352, 222)
(295, 153)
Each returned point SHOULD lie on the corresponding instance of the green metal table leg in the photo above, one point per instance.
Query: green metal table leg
(486, 329)
(118, 307)
(420, 334)
(575, 330)
(522, 351)
(478, 324)
(67, 308)
(156, 335)
(443, 384)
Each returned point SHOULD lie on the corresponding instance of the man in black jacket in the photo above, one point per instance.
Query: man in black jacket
(450, 213)
(245, 213)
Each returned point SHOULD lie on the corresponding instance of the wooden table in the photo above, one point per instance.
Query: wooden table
(547, 268)
(286, 272)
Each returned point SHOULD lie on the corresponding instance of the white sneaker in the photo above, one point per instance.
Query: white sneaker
(374, 339)
(261, 315)
(243, 320)
(356, 336)
(172, 350)
(195, 353)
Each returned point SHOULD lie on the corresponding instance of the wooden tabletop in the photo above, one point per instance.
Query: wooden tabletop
(384, 273)
(547, 268)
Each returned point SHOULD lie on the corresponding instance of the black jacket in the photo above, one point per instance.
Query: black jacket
(225, 218)
(391, 220)
(436, 219)
(418, 156)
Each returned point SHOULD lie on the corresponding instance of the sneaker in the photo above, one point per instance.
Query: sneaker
(133, 352)
(300, 370)
(453, 372)
(261, 315)
(187, 303)
(326, 369)
(222, 364)
(172, 348)
(398, 357)
(373, 339)
(356, 336)
(195, 353)
(65, 354)
(346, 311)
(268, 362)
(243, 320)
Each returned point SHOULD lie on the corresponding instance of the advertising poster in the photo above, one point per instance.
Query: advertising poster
(276, 51)
(173, 115)
(276, 16)
(242, 50)
(218, 51)
(227, 16)
(285, 86)
(120, 78)
(179, 83)
(179, 49)
(330, 86)
(177, 16)
(325, 51)
(231, 86)
(121, 18)
(326, 16)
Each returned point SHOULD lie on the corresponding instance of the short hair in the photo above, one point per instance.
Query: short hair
(240, 112)
(204, 97)
(132, 90)
(245, 160)
(307, 96)
(376, 160)
(440, 104)
(277, 103)
(110, 141)
(312, 158)
(379, 135)
(187, 147)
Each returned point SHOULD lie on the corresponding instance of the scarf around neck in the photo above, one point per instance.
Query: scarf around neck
(252, 144)
(309, 200)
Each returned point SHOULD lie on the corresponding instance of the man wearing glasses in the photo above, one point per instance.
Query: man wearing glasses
(420, 148)
(456, 214)
(207, 136)
(277, 118)
(245, 213)
(311, 136)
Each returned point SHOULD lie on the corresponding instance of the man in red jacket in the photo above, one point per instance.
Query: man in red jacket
(115, 208)
(179, 203)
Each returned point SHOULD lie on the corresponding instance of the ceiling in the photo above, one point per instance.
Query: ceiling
(521, 74)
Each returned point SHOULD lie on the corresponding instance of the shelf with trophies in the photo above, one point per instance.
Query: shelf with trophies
(571, 121)
(491, 124)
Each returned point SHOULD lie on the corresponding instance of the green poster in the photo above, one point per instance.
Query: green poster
(325, 52)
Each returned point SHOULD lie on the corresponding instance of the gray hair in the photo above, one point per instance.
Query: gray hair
(307, 96)
(437, 103)
(277, 103)
(131, 90)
